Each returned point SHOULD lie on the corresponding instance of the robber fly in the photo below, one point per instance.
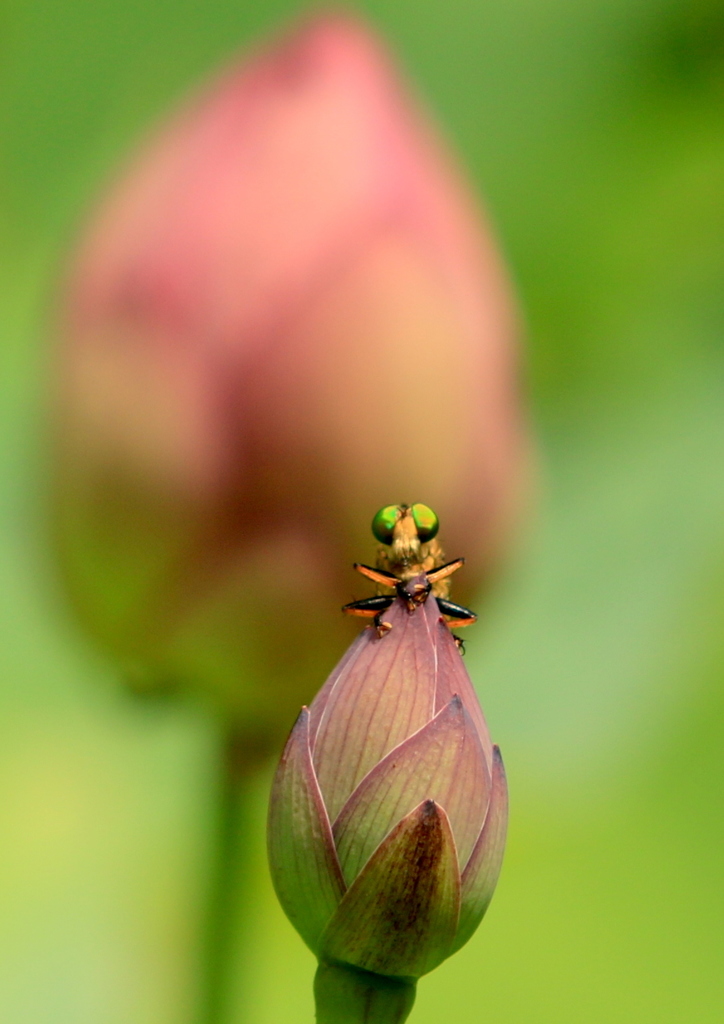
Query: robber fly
(409, 548)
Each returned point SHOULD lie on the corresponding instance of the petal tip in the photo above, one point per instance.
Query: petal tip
(428, 810)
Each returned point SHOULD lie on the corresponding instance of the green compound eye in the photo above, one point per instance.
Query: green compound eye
(384, 523)
(426, 522)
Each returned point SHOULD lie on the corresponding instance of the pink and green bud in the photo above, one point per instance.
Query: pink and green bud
(389, 806)
(287, 273)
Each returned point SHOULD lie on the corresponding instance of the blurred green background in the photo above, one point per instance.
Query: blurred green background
(596, 132)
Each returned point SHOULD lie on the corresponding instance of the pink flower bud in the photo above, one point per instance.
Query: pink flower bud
(284, 312)
(388, 811)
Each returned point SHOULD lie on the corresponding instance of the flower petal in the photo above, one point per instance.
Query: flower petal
(387, 695)
(443, 762)
(481, 872)
(343, 666)
(400, 915)
(302, 858)
(453, 678)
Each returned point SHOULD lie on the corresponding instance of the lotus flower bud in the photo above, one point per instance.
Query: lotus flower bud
(389, 807)
(282, 291)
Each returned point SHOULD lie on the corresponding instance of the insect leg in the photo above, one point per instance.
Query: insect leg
(381, 576)
(446, 570)
(459, 643)
(460, 615)
(383, 628)
(369, 607)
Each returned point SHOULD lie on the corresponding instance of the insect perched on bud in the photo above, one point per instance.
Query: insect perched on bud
(410, 531)
(389, 806)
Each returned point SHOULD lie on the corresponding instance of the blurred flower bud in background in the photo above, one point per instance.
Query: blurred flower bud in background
(285, 312)
(388, 811)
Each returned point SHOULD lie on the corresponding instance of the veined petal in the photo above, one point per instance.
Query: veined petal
(400, 915)
(387, 694)
(444, 762)
(481, 872)
(338, 673)
(452, 677)
(302, 858)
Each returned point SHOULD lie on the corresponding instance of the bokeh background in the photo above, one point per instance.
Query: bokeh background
(595, 132)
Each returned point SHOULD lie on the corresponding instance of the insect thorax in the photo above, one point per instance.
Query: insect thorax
(412, 559)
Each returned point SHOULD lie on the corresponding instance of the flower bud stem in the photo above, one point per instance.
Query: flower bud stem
(237, 761)
(346, 995)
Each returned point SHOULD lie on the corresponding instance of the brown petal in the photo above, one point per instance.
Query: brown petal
(443, 762)
(400, 915)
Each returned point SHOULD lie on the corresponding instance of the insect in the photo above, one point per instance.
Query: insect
(409, 548)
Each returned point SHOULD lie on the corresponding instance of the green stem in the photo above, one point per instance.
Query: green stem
(346, 995)
(221, 926)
